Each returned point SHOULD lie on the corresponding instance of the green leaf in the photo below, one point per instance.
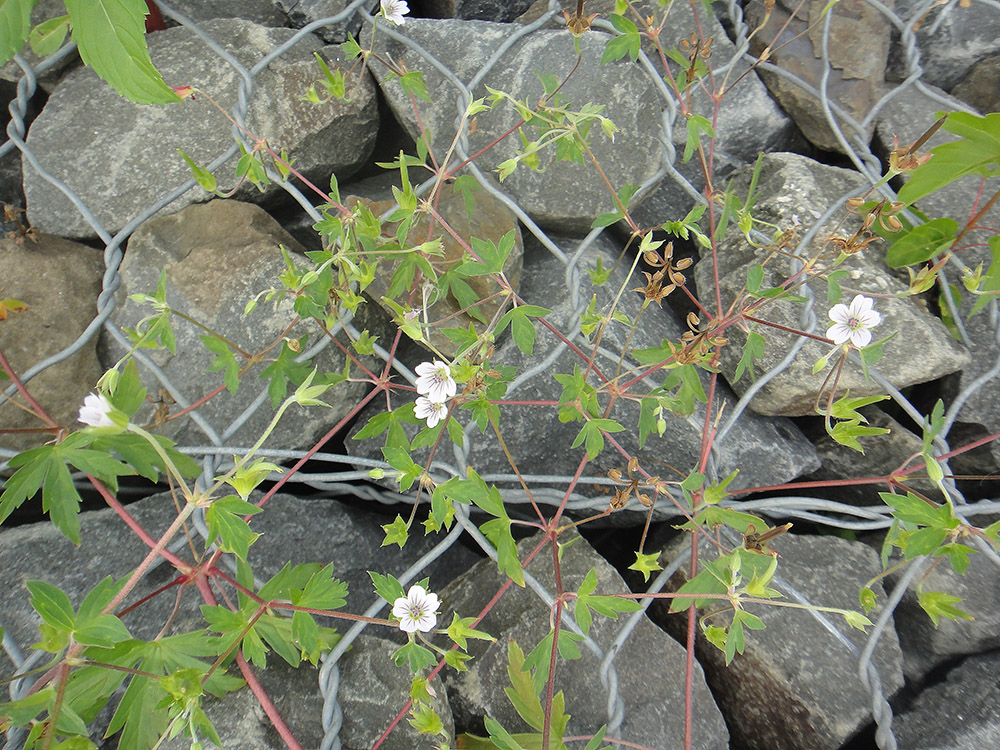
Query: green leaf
(387, 586)
(629, 43)
(224, 360)
(282, 370)
(413, 83)
(990, 281)
(976, 152)
(111, 37)
(395, 532)
(696, 125)
(521, 328)
(202, 176)
(48, 36)
(847, 433)
(15, 23)
(909, 508)
(461, 629)
(938, 604)
(591, 433)
(609, 606)
(922, 243)
(752, 349)
(225, 524)
(52, 605)
(646, 563)
(418, 657)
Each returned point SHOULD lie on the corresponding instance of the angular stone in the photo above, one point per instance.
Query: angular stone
(795, 685)
(59, 281)
(478, 10)
(303, 12)
(566, 195)
(789, 189)
(858, 47)
(217, 257)
(650, 705)
(490, 221)
(883, 455)
(120, 158)
(373, 690)
(950, 40)
(981, 86)
(960, 713)
(927, 645)
(263, 12)
(765, 451)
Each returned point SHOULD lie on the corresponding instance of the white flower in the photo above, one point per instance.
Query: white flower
(394, 10)
(432, 411)
(96, 411)
(853, 323)
(416, 611)
(435, 381)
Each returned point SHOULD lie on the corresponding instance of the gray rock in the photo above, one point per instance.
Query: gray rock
(59, 281)
(120, 157)
(263, 12)
(790, 188)
(958, 714)
(981, 86)
(950, 40)
(748, 120)
(564, 196)
(795, 685)
(927, 645)
(883, 455)
(373, 689)
(651, 706)
(217, 257)
(302, 12)
(858, 48)
(766, 451)
(479, 10)
(293, 530)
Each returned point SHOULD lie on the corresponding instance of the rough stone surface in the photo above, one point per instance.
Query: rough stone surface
(489, 221)
(951, 39)
(766, 451)
(650, 664)
(263, 12)
(883, 455)
(373, 689)
(927, 645)
(858, 47)
(981, 87)
(217, 257)
(121, 157)
(479, 10)
(959, 714)
(293, 530)
(788, 189)
(794, 686)
(59, 281)
(302, 12)
(565, 196)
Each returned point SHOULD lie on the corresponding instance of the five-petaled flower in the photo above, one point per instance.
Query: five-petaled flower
(394, 10)
(417, 610)
(435, 381)
(432, 411)
(96, 411)
(853, 324)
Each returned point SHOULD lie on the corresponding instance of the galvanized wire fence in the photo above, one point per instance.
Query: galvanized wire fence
(215, 450)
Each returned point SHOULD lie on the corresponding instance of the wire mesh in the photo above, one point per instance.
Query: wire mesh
(214, 451)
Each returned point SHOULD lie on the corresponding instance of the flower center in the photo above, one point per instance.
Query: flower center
(854, 323)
